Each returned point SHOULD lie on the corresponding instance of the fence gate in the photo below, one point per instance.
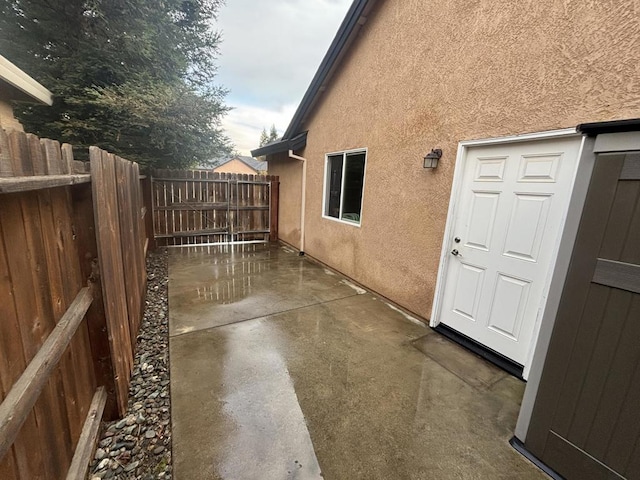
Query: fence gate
(200, 207)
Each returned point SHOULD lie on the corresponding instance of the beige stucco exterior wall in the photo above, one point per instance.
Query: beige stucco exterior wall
(290, 196)
(235, 166)
(7, 120)
(427, 74)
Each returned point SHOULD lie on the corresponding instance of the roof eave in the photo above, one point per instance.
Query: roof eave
(613, 126)
(349, 28)
(284, 145)
(22, 86)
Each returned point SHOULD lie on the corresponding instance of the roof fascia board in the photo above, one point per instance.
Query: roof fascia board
(613, 126)
(344, 37)
(284, 145)
(22, 82)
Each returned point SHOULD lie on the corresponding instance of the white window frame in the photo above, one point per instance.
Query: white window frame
(325, 197)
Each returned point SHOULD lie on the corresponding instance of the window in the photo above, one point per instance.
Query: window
(344, 185)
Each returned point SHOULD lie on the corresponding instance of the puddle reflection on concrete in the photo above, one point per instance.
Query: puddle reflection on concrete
(268, 437)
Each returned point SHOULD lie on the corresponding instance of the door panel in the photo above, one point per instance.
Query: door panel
(468, 291)
(509, 302)
(482, 216)
(511, 209)
(527, 226)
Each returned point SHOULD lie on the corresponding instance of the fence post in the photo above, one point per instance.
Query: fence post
(147, 201)
(275, 194)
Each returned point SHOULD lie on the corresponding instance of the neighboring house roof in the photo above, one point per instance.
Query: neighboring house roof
(17, 85)
(347, 33)
(257, 165)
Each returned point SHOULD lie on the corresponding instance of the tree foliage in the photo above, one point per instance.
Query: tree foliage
(268, 137)
(131, 76)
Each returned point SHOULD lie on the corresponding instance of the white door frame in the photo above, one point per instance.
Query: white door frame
(453, 205)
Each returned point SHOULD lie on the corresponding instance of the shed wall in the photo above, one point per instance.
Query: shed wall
(431, 74)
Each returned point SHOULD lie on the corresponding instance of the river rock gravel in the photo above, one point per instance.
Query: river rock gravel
(138, 446)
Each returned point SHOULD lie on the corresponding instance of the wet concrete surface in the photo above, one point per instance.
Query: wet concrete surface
(282, 370)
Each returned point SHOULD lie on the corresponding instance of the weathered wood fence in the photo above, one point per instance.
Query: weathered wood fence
(198, 207)
(72, 283)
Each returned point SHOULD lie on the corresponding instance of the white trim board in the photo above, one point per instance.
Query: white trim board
(453, 205)
(22, 82)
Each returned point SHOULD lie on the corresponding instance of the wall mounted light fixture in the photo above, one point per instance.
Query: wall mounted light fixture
(431, 158)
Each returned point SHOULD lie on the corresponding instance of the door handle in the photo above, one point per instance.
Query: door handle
(456, 253)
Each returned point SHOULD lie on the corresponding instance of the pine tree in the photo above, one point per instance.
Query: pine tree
(264, 137)
(268, 137)
(131, 76)
(273, 133)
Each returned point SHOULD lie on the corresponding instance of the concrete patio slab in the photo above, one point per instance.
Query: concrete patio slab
(329, 386)
(231, 286)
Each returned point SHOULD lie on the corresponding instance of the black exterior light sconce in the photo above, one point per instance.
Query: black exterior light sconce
(431, 158)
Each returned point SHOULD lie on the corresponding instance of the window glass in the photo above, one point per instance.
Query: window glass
(334, 185)
(344, 185)
(353, 184)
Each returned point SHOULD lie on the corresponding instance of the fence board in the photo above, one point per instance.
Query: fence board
(6, 167)
(12, 362)
(111, 268)
(79, 378)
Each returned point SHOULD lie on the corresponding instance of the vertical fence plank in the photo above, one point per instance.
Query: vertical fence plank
(12, 361)
(28, 446)
(53, 156)
(6, 166)
(111, 268)
(77, 375)
(127, 242)
(147, 195)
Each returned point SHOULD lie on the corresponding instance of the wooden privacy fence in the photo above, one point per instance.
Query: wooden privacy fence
(72, 283)
(200, 207)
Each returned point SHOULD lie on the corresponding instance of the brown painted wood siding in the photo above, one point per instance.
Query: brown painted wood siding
(586, 419)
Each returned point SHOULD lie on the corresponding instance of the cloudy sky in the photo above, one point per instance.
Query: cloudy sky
(269, 54)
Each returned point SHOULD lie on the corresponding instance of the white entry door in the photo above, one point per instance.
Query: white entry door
(508, 219)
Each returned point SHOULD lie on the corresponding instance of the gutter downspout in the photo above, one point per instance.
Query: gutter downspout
(304, 197)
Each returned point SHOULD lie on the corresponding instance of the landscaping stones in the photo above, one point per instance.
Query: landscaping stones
(138, 446)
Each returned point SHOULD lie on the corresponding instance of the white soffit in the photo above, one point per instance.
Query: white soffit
(25, 87)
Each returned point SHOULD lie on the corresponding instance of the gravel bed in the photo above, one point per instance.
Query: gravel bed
(139, 445)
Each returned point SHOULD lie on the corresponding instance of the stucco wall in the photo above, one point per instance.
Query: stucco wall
(290, 172)
(235, 166)
(427, 74)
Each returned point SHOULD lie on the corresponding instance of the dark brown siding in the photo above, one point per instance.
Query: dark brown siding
(586, 419)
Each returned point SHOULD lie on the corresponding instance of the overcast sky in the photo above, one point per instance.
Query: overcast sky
(269, 54)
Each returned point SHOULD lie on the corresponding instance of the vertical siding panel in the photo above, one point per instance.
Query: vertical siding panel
(631, 251)
(620, 215)
(577, 364)
(618, 419)
(599, 368)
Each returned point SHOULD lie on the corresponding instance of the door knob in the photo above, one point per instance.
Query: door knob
(455, 253)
